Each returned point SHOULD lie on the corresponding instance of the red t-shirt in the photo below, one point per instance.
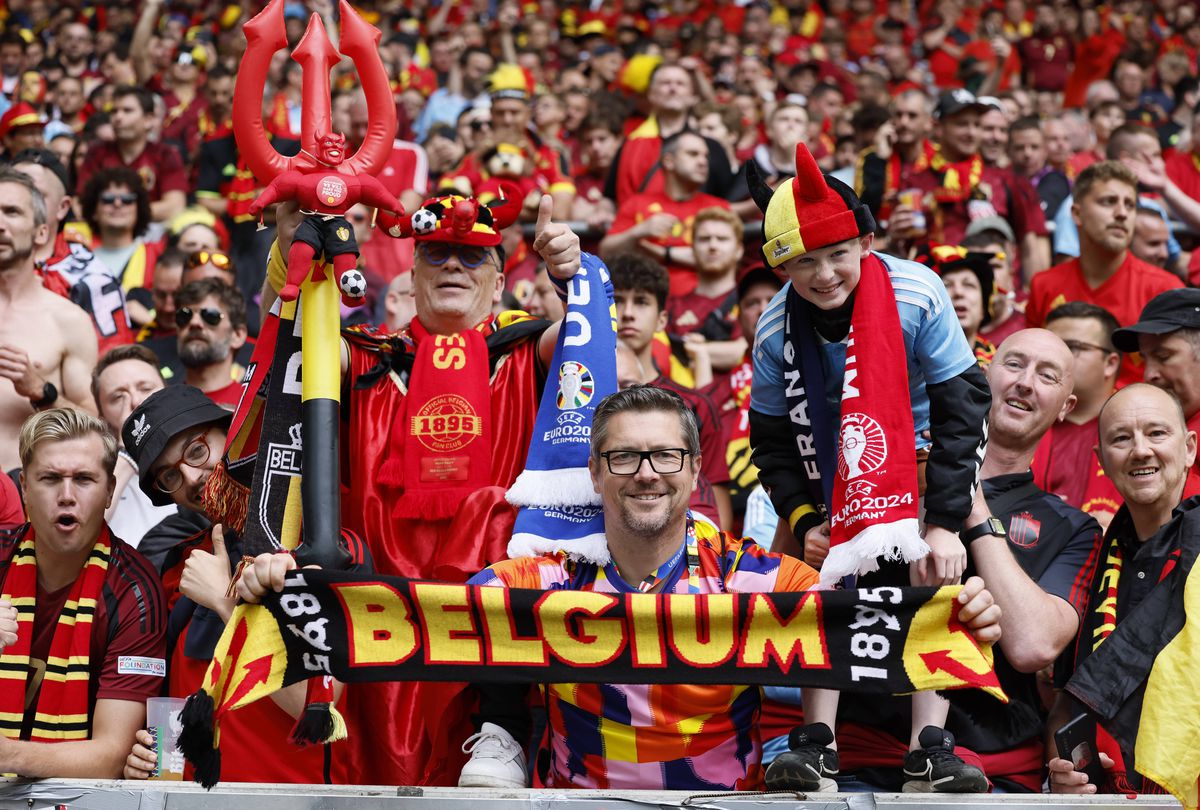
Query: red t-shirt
(687, 313)
(1065, 464)
(1184, 170)
(407, 168)
(159, 166)
(1012, 197)
(229, 395)
(640, 207)
(1047, 61)
(997, 334)
(127, 655)
(1080, 161)
(12, 513)
(713, 467)
(1124, 294)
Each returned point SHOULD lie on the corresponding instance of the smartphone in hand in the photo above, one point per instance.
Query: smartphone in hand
(1076, 742)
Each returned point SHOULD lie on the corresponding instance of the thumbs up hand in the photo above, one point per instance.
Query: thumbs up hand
(556, 243)
(206, 577)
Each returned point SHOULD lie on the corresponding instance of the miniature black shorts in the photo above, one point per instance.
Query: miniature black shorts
(328, 237)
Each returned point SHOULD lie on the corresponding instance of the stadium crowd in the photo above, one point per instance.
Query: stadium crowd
(767, 183)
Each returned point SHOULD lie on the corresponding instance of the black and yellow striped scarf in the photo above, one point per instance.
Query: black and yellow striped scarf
(62, 701)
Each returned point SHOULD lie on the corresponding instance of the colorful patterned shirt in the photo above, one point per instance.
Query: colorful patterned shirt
(665, 736)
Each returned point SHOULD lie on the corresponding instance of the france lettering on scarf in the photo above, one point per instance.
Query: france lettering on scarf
(560, 509)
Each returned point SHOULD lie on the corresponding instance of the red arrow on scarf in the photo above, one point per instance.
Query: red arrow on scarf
(257, 671)
(944, 661)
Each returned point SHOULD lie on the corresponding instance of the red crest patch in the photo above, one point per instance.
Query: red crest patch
(1023, 530)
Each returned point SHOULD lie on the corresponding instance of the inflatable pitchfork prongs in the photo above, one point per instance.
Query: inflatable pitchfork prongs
(319, 312)
(266, 34)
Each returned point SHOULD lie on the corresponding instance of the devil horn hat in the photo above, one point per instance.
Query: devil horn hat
(811, 211)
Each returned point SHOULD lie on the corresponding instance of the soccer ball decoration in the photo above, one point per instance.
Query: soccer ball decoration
(353, 284)
(424, 221)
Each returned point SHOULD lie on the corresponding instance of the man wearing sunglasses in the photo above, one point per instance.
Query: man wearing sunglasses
(488, 369)
(210, 317)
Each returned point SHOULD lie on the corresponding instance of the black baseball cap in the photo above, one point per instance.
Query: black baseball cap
(44, 157)
(754, 276)
(1166, 312)
(163, 415)
(952, 102)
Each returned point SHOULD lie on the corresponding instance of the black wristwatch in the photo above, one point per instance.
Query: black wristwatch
(991, 526)
(49, 397)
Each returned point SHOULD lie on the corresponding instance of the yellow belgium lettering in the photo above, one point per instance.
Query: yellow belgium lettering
(379, 621)
(450, 352)
(598, 641)
(449, 626)
(647, 640)
(798, 637)
(702, 644)
(503, 645)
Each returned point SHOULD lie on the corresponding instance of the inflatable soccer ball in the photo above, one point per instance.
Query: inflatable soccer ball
(353, 284)
(424, 221)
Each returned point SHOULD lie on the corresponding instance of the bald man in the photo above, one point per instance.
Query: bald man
(1031, 563)
(1147, 450)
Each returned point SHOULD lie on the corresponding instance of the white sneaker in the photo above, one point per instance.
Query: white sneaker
(497, 761)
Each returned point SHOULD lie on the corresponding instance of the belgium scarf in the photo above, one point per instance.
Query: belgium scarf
(560, 508)
(255, 489)
(440, 447)
(862, 465)
(62, 706)
(369, 628)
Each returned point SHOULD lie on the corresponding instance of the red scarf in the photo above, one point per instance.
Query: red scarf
(875, 487)
(62, 704)
(440, 447)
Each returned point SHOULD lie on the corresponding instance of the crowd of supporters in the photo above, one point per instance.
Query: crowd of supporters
(1043, 158)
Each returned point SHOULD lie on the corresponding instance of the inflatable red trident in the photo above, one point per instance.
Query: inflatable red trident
(326, 183)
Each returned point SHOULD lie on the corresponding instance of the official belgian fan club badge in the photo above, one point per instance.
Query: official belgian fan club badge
(575, 385)
(447, 423)
(332, 190)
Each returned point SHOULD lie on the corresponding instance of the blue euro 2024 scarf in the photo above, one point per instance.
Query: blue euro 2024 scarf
(560, 510)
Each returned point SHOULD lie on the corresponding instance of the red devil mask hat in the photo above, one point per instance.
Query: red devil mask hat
(810, 211)
(461, 220)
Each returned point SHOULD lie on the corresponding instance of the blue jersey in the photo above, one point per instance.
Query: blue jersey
(934, 342)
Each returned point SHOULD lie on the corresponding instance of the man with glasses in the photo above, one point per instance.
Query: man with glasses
(645, 457)
(176, 438)
(1066, 463)
(456, 357)
(211, 320)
